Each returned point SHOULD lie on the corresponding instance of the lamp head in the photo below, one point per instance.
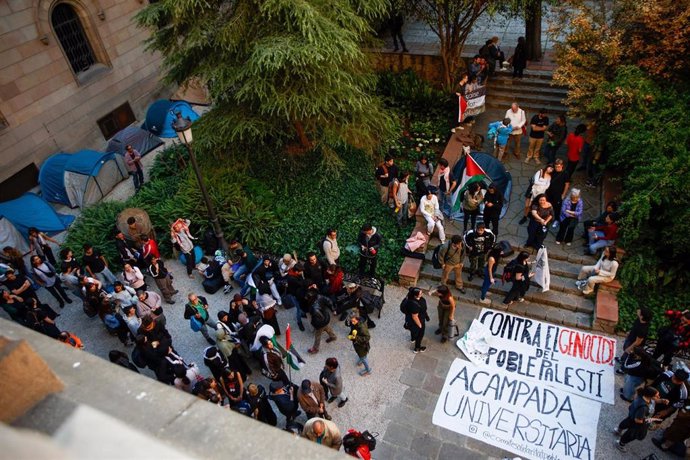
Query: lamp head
(183, 128)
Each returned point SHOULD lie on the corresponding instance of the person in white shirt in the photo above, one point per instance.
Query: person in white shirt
(603, 272)
(518, 120)
(432, 213)
(330, 247)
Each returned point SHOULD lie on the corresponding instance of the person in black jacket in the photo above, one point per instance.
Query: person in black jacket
(493, 203)
(320, 308)
(369, 242)
(520, 277)
(285, 399)
(519, 58)
(314, 271)
(673, 389)
(126, 254)
(257, 398)
(264, 278)
(638, 366)
(297, 286)
(416, 316)
(478, 242)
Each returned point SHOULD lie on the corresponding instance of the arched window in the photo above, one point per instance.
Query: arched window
(70, 32)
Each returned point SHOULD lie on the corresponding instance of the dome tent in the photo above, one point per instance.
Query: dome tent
(142, 141)
(161, 114)
(495, 171)
(82, 178)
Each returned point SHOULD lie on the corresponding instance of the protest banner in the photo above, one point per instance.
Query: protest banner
(542, 275)
(517, 414)
(568, 359)
(475, 101)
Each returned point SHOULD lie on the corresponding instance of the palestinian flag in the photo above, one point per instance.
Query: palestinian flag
(462, 107)
(289, 353)
(471, 174)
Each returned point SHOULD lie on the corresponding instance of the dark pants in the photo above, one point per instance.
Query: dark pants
(665, 349)
(550, 152)
(633, 430)
(138, 177)
(570, 168)
(363, 262)
(48, 253)
(492, 220)
(471, 216)
(189, 261)
(417, 333)
(397, 35)
(536, 234)
(518, 72)
(567, 229)
(517, 290)
(59, 293)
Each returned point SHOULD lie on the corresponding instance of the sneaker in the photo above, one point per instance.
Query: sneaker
(343, 402)
(470, 277)
(444, 339)
(568, 244)
(227, 289)
(300, 326)
(617, 431)
(521, 299)
(331, 399)
(313, 351)
(331, 339)
(485, 301)
(422, 349)
(620, 446)
(415, 351)
(555, 224)
(462, 290)
(365, 372)
(437, 332)
(171, 302)
(558, 242)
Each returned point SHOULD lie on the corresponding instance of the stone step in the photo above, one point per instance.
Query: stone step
(508, 97)
(530, 107)
(507, 81)
(530, 90)
(553, 298)
(528, 74)
(528, 308)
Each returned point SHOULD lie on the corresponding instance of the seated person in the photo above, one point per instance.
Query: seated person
(264, 278)
(601, 236)
(213, 277)
(603, 272)
(432, 213)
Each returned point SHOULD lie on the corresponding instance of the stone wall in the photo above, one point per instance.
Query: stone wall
(46, 107)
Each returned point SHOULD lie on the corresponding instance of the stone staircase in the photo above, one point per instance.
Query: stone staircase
(533, 92)
(562, 304)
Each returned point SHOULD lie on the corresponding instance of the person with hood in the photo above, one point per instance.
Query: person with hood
(369, 243)
(360, 337)
(320, 308)
(500, 131)
(431, 212)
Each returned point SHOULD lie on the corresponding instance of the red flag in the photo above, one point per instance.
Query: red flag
(288, 337)
(462, 107)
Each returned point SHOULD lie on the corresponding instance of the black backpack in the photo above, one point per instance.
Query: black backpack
(509, 271)
(320, 246)
(403, 306)
(138, 358)
(435, 261)
(353, 439)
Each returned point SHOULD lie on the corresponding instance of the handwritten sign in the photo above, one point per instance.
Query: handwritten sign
(475, 101)
(517, 414)
(568, 359)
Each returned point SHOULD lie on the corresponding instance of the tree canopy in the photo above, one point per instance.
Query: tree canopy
(289, 71)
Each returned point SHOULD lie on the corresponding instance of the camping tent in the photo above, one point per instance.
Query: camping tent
(496, 172)
(29, 210)
(82, 178)
(161, 114)
(142, 141)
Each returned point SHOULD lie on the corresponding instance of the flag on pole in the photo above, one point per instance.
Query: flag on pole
(472, 173)
(291, 356)
(462, 107)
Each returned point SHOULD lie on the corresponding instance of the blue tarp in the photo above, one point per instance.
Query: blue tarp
(161, 114)
(497, 174)
(52, 178)
(30, 210)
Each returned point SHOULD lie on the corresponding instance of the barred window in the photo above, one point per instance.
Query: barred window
(70, 32)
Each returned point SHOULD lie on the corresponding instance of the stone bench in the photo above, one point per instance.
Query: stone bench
(605, 311)
(408, 275)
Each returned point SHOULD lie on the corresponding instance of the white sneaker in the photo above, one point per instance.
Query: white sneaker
(554, 225)
(484, 301)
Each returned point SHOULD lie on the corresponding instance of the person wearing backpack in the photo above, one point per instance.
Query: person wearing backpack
(329, 247)
(499, 132)
(319, 311)
(519, 274)
(636, 424)
(45, 275)
(196, 311)
(451, 255)
(493, 258)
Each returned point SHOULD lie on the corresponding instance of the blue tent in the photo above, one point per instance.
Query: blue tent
(82, 178)
(497, 173)
(30, 210)
(161, 114)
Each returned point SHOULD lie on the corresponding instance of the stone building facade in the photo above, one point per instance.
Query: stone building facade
(72, 72)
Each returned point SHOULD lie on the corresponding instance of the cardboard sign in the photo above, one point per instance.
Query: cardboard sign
(561, 357)
(517, 414)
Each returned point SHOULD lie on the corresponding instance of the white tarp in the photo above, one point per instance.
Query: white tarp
(517, 414)
(542, 275)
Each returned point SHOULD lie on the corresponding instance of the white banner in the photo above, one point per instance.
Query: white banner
(542, 275)
(564, 358)
(517, 414)
(475, 101)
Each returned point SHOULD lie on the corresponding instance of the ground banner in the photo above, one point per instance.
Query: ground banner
(517, 414)
(561, 357)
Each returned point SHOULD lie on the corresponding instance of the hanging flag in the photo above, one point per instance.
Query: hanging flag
(471, 174)
(291, 356)
(462, 107)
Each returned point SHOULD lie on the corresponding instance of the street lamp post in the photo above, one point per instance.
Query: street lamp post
(183, 128)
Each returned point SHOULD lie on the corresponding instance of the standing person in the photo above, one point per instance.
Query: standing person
(162, 278)
(133, 162)
(15, 258)
(197, 308)
(478, 243)
(518, 120)
(539, 184)
(451, 256)
(312, 399)
(261, 409)
(38, 244)
(471, 200)
(555, 136)
(446, 185)
(285, 399)
(571, 212)
(314, 271)
(333, 380)
(519, 58)
(297, 287)
(126, 254)
(493, 203)
(149, 304)
(329, 247)
(266, 305)
(385, 173)
(541, 215)
(520, 277)
(499, 55)
(424, 171)
(133, 277)
(401, 195)
(369, 242)
(674, 337)
(672, 386)
(500, 131)
(538, 125)
(445, 308)
(272, 365)
(323, 432)
(183, 240)
(396, 23)
(45, 275)
(493, 258)
(432, 214)
(149, 248)
(319, 311)
(636, 424)
(70, 270)
(96, 265)
(638, 366)
(575, 143)
(418, 316)
(637, 336)
(677, 432)
(558, 188)
(360, 337)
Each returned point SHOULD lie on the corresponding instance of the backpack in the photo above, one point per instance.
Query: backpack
(320, 246)
(509, 271)
(435, 261)
(403, 307)
(353, 439)
(138, 358)
(491, 133)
